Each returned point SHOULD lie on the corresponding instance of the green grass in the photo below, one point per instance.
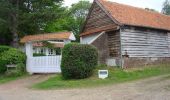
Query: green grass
(115, 76)
(5, 79)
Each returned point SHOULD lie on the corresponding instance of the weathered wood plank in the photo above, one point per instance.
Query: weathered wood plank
(97, 18)
(114, 43)
(140, 43)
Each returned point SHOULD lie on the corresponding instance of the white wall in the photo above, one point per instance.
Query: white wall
(87, 39)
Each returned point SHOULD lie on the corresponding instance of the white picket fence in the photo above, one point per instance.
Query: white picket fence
(44, 64)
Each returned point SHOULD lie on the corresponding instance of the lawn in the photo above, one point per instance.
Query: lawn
(5, 79)
(116, 75)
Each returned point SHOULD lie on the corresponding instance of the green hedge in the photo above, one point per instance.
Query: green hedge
(78, 61)
(3, 67)
(4, 48)
(14, 56)
(3, 63)
(38, 54)
(10, 56)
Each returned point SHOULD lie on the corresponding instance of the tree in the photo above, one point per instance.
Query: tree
(21, 17)
(149, 9)
(79, 11)
(166, 7)
(9, 17)
(72, 20)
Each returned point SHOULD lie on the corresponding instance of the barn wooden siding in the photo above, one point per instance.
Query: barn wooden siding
(169, 40)
(101, 44)
(114, 43)
(97, 19)
(138, 42)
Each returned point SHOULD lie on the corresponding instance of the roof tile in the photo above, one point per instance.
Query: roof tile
(46, 36)
(129, 15)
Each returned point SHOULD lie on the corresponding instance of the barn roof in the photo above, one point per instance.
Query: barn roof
(48, 36)
(129, 15)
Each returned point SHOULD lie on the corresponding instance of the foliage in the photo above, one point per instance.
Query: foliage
(4, 48)
(19, 71)
(79, 11)
(14, 56)
(58, 51)
(115, 76)
(166, 7)
(3, 63)
(5, 36)
(24, 17)
(38, 54)
(3, 67)
(153, 10)
(48, 44)
(78, 61)
(72, 19)
(21, 17)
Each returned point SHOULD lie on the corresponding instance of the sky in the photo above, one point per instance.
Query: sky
(153, 4)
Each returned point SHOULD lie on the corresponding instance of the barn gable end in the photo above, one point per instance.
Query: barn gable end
(98, 20)
(126, 38)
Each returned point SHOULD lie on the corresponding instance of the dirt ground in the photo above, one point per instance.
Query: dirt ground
(155, 88)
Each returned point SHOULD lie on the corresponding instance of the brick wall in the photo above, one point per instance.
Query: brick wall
(141, 62)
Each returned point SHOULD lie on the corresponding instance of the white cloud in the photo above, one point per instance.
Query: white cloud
(154, 4)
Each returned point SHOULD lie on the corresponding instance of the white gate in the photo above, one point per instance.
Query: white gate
(44, 64)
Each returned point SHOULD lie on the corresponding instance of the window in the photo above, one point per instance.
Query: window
(50, 52)
(34, 50)
(41, 51)
(58, 51)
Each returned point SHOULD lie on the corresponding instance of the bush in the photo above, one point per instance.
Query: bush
(78, 61)
(3, 67)
(21, 69)
(3, 63)
(4, 48)
(13, 56)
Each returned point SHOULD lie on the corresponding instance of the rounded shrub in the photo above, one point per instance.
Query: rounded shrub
(78, 60)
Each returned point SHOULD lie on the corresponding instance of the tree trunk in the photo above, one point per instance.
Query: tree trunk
(14, 25)
(15, 41)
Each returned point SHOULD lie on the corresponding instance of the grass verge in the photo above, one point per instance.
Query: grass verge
(115, 76)
(5, 79)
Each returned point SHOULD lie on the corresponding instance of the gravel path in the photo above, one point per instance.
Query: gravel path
(156, 88)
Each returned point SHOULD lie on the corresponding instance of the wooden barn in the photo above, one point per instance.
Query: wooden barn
(127, 36)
